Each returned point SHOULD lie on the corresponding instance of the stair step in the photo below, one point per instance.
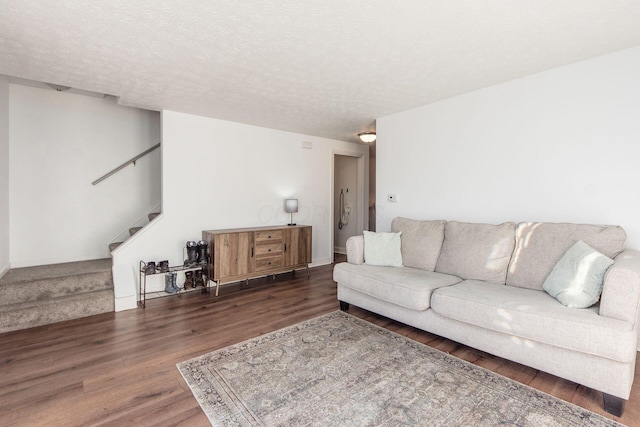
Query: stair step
(37, 313)
(153, 215)
(50, 271)
(134, 230)
(55, 287)
(43, 294)
(114, 245)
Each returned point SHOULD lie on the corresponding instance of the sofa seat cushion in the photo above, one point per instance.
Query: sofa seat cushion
(528, 314)
(407, 287)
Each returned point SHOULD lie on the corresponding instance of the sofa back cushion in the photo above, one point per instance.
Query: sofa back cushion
(477, 251)
(421, 242)
(540, 245)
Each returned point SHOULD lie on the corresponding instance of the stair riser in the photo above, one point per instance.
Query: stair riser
(45, 312)
(38, 290)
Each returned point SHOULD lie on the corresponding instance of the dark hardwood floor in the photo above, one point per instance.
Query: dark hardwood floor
(119, 368)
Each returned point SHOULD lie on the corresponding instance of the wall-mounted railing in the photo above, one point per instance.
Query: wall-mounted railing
(125, 164)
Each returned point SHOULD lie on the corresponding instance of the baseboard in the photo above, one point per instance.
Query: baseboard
(321, 261)
(127, 303)
(340, 250)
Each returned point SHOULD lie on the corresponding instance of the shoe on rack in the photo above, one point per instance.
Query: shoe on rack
(193, 279)
(192, 254)
(174, 279)
(164, 266)
(188, 279)
(199, 280)
(202, 252)
(169, 283)
(150, 268)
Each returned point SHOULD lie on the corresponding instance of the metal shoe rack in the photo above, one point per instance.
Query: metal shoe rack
(142, 299)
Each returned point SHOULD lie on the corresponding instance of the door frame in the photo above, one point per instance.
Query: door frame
(362, 189)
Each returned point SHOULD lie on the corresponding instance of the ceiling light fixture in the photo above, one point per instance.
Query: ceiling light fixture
(367, 137)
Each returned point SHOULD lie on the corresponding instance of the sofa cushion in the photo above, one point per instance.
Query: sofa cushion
(382, 249)
(540, 245)
(576, 280)
(528, 314)
(477, 251)
(421, 242)
(407, 287)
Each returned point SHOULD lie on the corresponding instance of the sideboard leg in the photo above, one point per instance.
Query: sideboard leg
(344, 306)
(613, 405)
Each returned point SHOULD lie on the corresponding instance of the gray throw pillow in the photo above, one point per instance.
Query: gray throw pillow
(382, 249)
(577, 279)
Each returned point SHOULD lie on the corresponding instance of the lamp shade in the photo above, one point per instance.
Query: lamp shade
(291, 205)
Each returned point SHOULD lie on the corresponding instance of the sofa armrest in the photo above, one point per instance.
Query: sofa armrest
(621, 291)
(355, 250)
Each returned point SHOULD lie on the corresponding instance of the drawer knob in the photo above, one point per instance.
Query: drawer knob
(269, 250)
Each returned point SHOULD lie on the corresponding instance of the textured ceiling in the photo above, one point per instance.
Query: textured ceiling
(327, 68)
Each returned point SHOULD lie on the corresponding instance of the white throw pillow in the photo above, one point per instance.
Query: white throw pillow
(577, 279)
(382, 249)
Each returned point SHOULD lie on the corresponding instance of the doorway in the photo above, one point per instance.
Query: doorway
(345, 201)
(350, 197)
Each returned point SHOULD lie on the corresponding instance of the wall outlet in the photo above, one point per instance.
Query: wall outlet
(392, 198)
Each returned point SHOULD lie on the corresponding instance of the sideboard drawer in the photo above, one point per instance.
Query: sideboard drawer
(267, 263)
(269, 249)
(269, 235)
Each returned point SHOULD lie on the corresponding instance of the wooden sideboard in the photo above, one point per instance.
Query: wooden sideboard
(244, 253)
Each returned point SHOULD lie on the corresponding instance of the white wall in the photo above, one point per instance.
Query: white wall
(219, 174)
(59, 143)
(346, 179)
(562, 145)
(4, 175)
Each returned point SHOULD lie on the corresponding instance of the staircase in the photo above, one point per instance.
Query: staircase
(44, 294)
(132, 231)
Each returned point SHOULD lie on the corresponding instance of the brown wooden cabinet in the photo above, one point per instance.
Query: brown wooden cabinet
(244, 253)
(297, 246)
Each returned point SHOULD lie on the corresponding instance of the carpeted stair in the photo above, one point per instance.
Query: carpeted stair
(133, 231)
(40, 295)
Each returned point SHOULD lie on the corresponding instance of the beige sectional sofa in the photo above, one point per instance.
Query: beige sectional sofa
(482, 285)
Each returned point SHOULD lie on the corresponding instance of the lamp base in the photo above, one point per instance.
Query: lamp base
(291, 225)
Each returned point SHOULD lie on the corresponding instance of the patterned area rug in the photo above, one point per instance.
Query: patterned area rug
(338, 370)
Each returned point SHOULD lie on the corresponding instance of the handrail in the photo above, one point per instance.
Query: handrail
(125, 164)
